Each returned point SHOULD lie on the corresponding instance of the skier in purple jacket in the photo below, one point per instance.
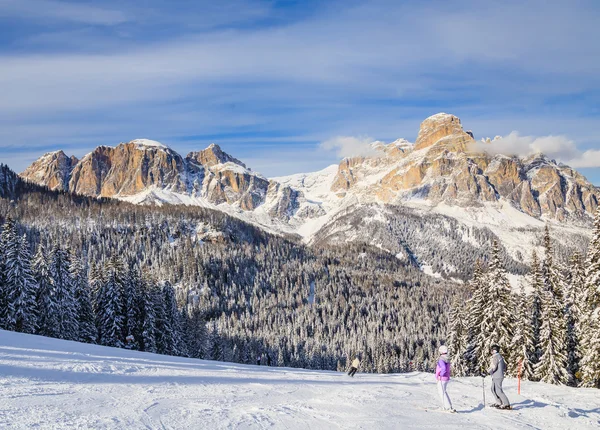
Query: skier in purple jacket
(442, 374)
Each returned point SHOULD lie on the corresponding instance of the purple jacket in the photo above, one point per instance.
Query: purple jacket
(442, 370)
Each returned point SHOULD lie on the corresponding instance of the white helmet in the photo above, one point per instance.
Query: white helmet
(443, 349)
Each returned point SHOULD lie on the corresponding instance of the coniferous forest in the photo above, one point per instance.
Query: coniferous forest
(548, 331)
(198, 283)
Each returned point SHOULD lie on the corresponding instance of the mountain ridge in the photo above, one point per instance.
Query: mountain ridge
(443, 171)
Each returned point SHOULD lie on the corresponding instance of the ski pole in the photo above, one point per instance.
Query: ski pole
(483, 388)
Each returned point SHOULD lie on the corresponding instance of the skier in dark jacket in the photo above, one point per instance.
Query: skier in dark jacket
(496, 370)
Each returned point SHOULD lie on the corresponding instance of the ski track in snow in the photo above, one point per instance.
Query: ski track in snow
(49, 383)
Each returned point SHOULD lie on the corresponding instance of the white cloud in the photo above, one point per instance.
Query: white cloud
(589, 158)
(559, 148)
(350, 146)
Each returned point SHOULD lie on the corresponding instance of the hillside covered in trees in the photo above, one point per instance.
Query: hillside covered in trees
(198, 283)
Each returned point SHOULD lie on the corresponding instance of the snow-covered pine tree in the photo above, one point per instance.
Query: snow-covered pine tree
(590, 337)
(552, 365)
(21, 287)
(574, 305)
(536, 283)
(197, 334)
(46, 299)
(497, 318)
(553, 278)
(8, 244)
(177, 347)
(85, 313)
(215, 343)
(522, 346)
(457, 340)
(62, 284)
(2, 281)
(474, 316)
(147, 316)
(162, 328)
(131, 310)
(110, 299)
(95, 281)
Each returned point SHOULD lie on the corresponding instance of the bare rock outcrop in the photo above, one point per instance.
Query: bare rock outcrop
(52, 170)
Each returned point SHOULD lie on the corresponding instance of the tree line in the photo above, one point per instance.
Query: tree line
(239, 292)
(549, 333)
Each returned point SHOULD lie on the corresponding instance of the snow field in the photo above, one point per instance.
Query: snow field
(49, 383)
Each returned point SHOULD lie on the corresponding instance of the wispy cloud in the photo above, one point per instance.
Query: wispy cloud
(60, 11)
(559, 148)
(350, 146)
(372, 68)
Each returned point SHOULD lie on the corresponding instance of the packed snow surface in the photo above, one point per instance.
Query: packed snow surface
(49, 383)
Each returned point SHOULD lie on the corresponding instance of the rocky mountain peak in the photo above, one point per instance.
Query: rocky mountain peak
(212, 156)
(51, 169)
(442, 126)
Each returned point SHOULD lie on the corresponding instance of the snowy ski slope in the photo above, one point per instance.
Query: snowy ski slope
(48, 383)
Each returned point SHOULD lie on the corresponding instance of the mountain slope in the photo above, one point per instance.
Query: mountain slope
(52, 383)
(444, 173)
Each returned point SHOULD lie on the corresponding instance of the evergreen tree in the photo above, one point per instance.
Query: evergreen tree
(96, 282)
(497, 319)
(173, 331)
(457, 340)
(46, 298)
(62, 284)
(147, 317)
(85, 313)
(474, 315)
(552, 365)
(590, 324)
(132, 304)
(522, 347)
(574, 305)
(110, 313)
(162, 327)
(21, 287)
(8, 246)
(536, 283)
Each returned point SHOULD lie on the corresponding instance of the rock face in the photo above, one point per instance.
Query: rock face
(52, 170)
(128, 169)
(212, 156)
(443, 165)
(134, 167)
(443, 129)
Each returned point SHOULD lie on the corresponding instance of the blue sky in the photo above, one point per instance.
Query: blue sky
(270, 81)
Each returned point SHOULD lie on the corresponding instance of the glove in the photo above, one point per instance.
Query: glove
(483, 374)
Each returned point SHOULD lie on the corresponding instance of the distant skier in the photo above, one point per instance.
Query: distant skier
(258, 359)
(442, 374)
(354, 366)
(497, 369)
(268, 359)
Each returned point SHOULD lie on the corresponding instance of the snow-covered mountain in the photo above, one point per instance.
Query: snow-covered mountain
(444, 173)
(58, 384)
